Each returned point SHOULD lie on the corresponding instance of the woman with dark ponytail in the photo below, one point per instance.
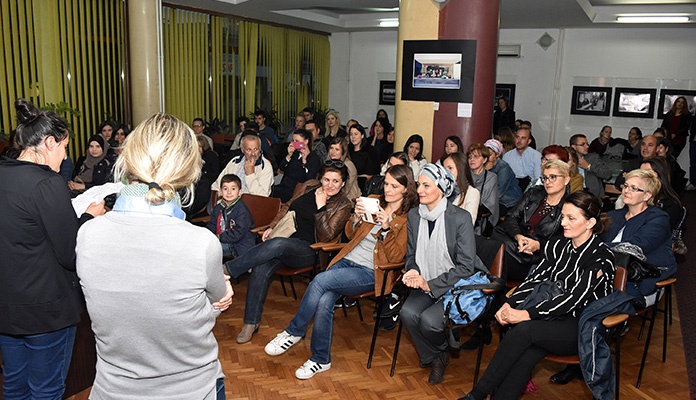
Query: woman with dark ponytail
(40, 298)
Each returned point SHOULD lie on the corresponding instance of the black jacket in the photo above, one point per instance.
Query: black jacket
(103, 171)
(593, 350)
(39, 289)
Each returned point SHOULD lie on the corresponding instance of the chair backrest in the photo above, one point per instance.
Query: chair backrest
(620, 279)
(492, 253)
(262, 209)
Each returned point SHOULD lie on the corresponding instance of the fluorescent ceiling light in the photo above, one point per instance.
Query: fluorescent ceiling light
(389, 23)
(653, 19)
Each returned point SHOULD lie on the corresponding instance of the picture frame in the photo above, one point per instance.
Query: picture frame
(591, 100)
(507, 91)
(387, 93)
(668, 96)
(438, 70)
(634, 102)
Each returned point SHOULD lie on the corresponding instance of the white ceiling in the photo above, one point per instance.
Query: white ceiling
(359, 15)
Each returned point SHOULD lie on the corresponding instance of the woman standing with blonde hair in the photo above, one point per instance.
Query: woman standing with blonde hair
(153, 314)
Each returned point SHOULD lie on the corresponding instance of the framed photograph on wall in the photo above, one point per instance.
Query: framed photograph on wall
(591, 100)
(505, 91)
(438, 70)
(387, 93)
(634, 102)
(669, 96)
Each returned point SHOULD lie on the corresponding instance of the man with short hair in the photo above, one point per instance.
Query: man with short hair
(320, 148)
(264, 130)
(308, 113)
(254, 170)
(648, 150)
(590, 165)
(198, 128)
(524, 160)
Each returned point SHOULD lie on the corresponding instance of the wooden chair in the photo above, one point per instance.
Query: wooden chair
(495, 267)
(666, 309)
(609, 322)
(309, 271)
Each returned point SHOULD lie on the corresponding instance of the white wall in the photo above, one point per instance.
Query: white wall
(544, 80)
(359, 60)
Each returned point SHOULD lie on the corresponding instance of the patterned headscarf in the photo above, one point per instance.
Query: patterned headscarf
(441, 176)
(495, 145)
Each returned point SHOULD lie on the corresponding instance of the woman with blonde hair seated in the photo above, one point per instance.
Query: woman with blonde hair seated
(153, 303)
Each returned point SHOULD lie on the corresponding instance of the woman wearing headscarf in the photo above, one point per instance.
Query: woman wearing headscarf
(94, 168)
(441, 250)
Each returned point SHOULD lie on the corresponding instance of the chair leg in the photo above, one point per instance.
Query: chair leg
(343, 306)
(642, 326)
(357, 304)
(647, 345)
(396, 347)
(292, 286)
(618, 365)
(666, 311)
(380, 303)
(282, 283)
(480, 352)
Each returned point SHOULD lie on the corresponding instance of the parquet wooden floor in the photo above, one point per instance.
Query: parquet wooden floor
(251, 374)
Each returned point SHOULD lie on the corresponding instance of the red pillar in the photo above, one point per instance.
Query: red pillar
(470, 20)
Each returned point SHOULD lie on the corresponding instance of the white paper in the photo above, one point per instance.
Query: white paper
(464, 110)
(94, 195)
(436, 106)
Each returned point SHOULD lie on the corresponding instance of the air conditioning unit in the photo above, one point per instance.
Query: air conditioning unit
(509, 50)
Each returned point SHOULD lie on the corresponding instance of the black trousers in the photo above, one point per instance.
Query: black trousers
(521, 350)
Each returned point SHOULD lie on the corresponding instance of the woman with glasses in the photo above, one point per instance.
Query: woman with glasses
(643, 224)
(353, 270)
(534, 220)
(321, 212)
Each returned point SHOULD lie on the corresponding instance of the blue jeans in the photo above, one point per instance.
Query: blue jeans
(345, 278)
(263, 260)
(36, 365)
(227, 250)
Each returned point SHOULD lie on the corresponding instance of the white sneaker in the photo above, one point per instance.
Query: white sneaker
(311, 368)
(281, 343)
(690, 186)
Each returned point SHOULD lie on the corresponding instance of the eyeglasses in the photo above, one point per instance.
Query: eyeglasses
(631, 188)
(334, 163)
(551, 178)
(197, 126)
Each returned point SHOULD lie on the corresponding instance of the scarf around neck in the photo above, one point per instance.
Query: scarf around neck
(87, 171)
(432, 256)
(131, 200)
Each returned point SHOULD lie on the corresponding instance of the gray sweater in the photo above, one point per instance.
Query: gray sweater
(149, 282)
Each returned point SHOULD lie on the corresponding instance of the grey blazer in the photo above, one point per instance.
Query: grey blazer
(461, 245)
(598, 173)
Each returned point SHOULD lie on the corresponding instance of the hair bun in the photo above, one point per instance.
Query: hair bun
(26, 112)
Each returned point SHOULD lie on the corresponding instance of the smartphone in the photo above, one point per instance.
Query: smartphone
(371, 205)
(298, 145)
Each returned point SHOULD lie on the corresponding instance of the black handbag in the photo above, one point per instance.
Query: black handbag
(636, 269)
(541, 292)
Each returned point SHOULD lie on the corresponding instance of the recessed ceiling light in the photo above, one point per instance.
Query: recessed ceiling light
(653, 19)
(389, 23)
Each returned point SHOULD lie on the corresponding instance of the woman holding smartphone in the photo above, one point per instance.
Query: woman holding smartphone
(300, 165)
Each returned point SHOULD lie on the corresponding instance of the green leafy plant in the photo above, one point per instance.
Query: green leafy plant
(64, 110)
(217, 125)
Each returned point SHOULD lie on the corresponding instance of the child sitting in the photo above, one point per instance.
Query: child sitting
(231, 220)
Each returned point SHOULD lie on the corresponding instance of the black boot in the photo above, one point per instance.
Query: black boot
(570, 372)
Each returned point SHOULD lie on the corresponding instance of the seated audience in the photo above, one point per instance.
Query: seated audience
(585, 266)
(338, 150)
(321, 213)
(577, 182)
(648, 150)
(365, 160)
(414, 149)
(94, 168)
(333, 127)
(534, 220)
(266, 132)
(506, 136)
(524, 160)
(242, 123)
(644, 225)
(590, 165)
(106, 130)
(379, 128)
(453, 144)
(676, 173)
(209, 171)
(153, 302)
(300, 123)
(381, 113)
(508, 189)
(600, 143)
(375, 185)
(487, 184)
(465, 195)
(120, 136)
(387, 146)
(352, 271)
(552, 152)
(441, 250)
(199, 129)
(231, 220)
(300, 165)
(321, 147)
(253, 169)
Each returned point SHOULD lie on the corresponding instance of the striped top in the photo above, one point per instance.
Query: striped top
(577, 269)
